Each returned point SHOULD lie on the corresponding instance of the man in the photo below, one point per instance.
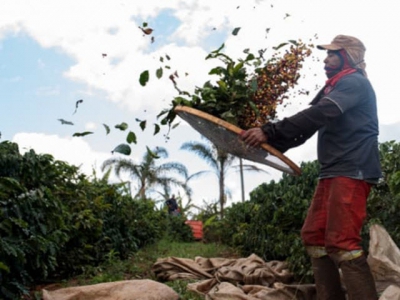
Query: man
(172, 206)
(344, 114)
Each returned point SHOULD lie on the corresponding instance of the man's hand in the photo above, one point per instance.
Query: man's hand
(253, 136)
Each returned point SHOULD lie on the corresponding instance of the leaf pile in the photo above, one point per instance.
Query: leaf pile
(249, 90)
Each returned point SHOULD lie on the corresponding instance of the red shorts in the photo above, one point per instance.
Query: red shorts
(336, 215)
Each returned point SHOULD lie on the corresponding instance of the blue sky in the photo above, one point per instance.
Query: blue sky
(51, 56)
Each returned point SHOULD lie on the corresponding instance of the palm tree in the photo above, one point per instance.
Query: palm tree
(220, 161)
(148, 174)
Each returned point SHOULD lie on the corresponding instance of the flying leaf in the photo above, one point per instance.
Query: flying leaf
(77, 104)
(167, 56)
(142, 124)
(151, 153)
(161, 59)
(175, 125)
(82, 133)
(156, 129)
(163, 112)
(146, 31)
(104, 54)
(123, 126)
(279, 46)
(107, 128)
(131, 137)
(144, 77)
(236, 31)
(123, 149)
(159, 73)
(65, 122)
(145, 24)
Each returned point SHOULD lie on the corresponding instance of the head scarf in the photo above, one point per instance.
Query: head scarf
(354, 48)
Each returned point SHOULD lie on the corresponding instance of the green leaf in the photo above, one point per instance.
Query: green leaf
(254, 107)
(163, 112)
(151, 153)
(4, 267)
(236, 31)
(64, 122)
(238, 67)
(222, 84)
(82, 133)
(250, 57)
(159, 73)
(107, 128)
(144, 77)
(156, 129)
(131, 137)
(161, 59)
(216, 71)
(144, 24)
(279, 46)
(143, 124)
(123, 126)
(215, 52)
(227, 115)
(254, 85)
(167, 56)
(123, 149)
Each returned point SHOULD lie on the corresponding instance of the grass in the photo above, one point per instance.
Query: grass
(138, 266)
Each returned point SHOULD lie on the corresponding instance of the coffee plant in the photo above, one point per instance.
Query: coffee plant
(55, 222)
(249, 90)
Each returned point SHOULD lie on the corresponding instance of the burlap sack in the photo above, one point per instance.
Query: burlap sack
(119, 290)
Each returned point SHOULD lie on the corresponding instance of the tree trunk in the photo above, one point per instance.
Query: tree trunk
(221, 193)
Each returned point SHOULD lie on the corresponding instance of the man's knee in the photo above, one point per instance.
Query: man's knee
(337, 255)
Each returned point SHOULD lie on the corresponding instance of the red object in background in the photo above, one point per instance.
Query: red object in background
(197, 229)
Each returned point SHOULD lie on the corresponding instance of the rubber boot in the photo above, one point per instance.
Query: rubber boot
(327, 279)
(358, 279)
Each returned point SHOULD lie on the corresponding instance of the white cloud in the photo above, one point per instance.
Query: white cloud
(73, 150)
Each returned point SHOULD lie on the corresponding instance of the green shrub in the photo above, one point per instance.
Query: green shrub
(54, 221)
(269, 224)
(177, 230)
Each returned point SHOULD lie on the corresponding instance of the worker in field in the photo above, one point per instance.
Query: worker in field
(173, 208)
(344, 114)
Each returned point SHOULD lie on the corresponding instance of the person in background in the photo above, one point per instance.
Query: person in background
(172, 205)
(344, 113)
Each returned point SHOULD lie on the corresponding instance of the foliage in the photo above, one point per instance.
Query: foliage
(55, 222)
(148, 173)
(177, 230)
(384, 201)
(220, 162)
(268, 225)
(32, 225)
(247, 91)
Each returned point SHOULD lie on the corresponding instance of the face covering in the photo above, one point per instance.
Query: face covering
(344, 64)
